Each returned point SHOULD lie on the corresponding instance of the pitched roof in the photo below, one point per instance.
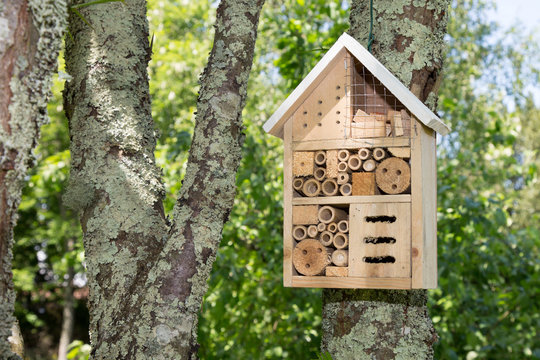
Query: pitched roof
(274, 125)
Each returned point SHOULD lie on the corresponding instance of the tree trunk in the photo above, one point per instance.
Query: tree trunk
(389, 324)
(30, 39)
(147, 277)
(68, 312)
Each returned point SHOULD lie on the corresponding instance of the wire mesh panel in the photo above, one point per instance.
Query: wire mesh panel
(372, 110)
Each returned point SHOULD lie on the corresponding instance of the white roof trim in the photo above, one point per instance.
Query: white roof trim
(407, 98)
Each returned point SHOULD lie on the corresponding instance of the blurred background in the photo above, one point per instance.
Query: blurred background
(487, 303)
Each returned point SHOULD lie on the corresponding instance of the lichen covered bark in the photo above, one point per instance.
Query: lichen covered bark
(30, 38)
(389, 324)
(147, 277)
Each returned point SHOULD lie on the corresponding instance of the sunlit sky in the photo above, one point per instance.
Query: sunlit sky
(524, 12)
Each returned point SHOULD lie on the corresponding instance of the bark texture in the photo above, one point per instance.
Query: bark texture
(30, 37)
(147, 277)
(388, 324)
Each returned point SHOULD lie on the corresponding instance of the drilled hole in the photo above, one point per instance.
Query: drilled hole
(338, 87)
(384, 170)
(338, 122)
(305, 125)
(394, 186)
(381, 218)
(320, 101)
(305, 113)
(304, 252)
(319, 250)
(319, 124)
(398, 172)
(338, 112)
(338, 97)
(302, 164)
(379, 240)
(307, 266)
(320, 114)
(379, 259)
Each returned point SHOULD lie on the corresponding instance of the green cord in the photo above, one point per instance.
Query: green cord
(370, 40)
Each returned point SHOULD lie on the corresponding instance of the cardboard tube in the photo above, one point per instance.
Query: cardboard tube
(364, 154)
(328, 214)
(330, 187)
(379, 154)
(343, 226)
(341, 240)
(320, 157)
(297, 184)
(332, 227)
(312, 231)
(311, 188)
(340, 257)
(319, 173)
(343, 155)
(354, 163)
(343, 178)
(321, 227)
(345, 189)
(299, 232)
(327, 238)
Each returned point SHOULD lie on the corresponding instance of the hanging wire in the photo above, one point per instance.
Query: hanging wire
(370, 39)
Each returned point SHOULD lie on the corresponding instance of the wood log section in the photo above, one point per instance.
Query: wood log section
(343, 155)
(312, 231)
(342, 167)
(328, 214)
(310, 257)
(331, 164)
(340, 257)
(343, 178)
(354, 163)
(343, 226)
(363, 184)
(320, 157)
(369, 165)
(297, 184)
(400, 152)
(332, 227)
(341, 241)
(311, 188)
(303, 163)
(337, 271)
(319, 173)
(364, 154)
(321, 226)
(305, 214)
(393, 176)
(379, 154)
(330, 187)
(345, 189)
(299, 232)
(327, 238)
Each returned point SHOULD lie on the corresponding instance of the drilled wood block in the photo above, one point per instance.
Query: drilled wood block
(303, 163)
(363, 183)
(337, 271)
(305, 214)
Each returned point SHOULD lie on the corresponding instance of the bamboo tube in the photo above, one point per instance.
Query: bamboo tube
(345, 189)
(343, 226)
(327, 238)
(364, 154)
(379, 154)
(343, 178)
(341, 241)
(332, 227)
(299, 232)
(311, 188)
(342, 167)
(310, 257)
(354, 162)
(340, 257)
(369, 165)
(321, 227)
(343, 155)
(330, 187)
(320, 157)
(328, 214)
(312, 231)
(319, 173)
(297, 184)
(393, 176)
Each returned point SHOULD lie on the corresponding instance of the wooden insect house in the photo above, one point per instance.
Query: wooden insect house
(359, 177)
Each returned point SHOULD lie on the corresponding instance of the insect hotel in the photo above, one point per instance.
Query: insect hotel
(359, 177)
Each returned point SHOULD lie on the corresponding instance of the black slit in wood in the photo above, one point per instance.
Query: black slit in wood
(379, 240)
(381, 218)
(379, 259)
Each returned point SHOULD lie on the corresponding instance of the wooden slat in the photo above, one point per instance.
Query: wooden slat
(424, 208)
(288, 241)
(343, 200)
(360, 229)
(351, 282)
(349, 143)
